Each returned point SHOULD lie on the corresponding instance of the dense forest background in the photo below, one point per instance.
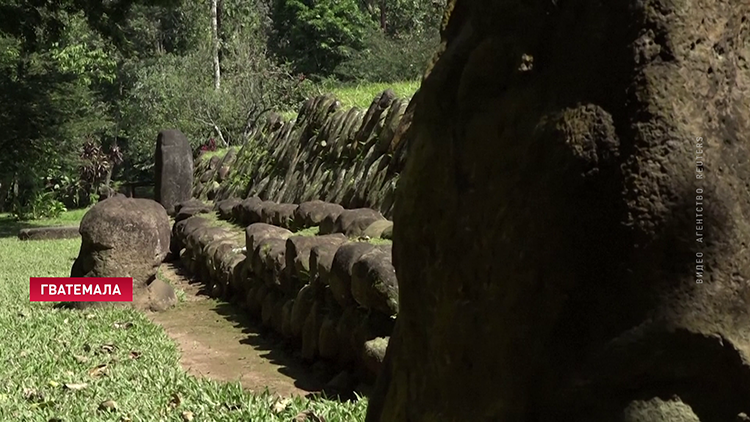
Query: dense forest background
(86, 85)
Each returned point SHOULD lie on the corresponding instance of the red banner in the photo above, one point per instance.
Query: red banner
(84, 289)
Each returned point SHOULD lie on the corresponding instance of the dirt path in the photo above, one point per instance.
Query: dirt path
(218, 342)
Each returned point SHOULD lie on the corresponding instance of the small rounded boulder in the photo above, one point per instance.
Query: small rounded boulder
(125, 237)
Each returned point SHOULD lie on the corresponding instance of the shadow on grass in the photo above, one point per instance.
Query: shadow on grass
(9, 227)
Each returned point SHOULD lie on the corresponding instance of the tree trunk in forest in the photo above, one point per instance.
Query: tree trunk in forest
(382, 15)
(216, 43)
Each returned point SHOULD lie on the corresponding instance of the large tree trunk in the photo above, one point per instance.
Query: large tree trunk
(216, 42)
(556, 261)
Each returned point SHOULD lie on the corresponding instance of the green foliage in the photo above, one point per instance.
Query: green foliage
(115, 73)
(388, 59)
(83, 53)
(49, 104)
(317, 36)
(176, 92)
(150, 29)
(45, 116)
(42, 205)
(413, 17)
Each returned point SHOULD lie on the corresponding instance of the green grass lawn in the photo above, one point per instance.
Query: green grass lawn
(362, 95)
(64, 365)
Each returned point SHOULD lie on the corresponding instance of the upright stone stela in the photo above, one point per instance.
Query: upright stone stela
(174, 169)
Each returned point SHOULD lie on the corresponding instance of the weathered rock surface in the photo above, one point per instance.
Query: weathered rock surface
(246, 212)
(281, 215)
(374, 283)
(658, 410)
(355, 222)
(268, 305)
(192, 203)
(311, 332)
(187, 212)
(257, 232)
(256, 212)
(45, 233)
(301, 309)
(161, 296)
(378, 228)
(321, 260)
(350, 222)
(545, 222)
(328, 340)
(174, 169)
(345, 330)
(267, 256)
(182, 229)
(286, 324)
(374, 353)
(312, 213)
(226, 206)
(123, 237)
(340, 278)
(298, 250)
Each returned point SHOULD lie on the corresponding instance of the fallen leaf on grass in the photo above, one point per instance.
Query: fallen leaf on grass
(75, 387)
(98, 371)
(81, 359)
(280, 405)
(134, 355)
(108, 405)
(187, 416)
(32, 394)
(108, 348)
(54, 384)
(308, 415)
(123, 325)
(175, 400)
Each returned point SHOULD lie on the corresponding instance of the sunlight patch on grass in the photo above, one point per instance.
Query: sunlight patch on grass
(219, 152)
(360, 95)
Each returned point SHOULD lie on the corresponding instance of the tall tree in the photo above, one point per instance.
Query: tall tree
(216, 43)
